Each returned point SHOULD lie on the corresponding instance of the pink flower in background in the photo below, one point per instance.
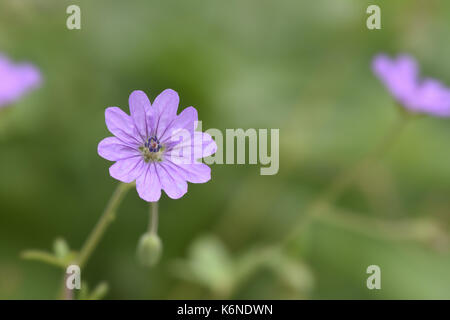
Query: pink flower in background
(401, 77)
(155, 146)
(16, 80)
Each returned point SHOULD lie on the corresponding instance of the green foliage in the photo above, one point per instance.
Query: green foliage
(300, 66)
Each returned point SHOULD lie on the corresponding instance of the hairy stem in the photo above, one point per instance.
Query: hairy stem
(107, 217)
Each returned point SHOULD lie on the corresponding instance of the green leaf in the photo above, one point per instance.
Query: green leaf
(100, 291)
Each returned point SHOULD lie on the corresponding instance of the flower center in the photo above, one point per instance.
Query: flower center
(152, 150)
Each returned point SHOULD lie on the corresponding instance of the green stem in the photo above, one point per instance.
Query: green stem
(343, 180)
(153, 226)
(107, 217)
(42, 256)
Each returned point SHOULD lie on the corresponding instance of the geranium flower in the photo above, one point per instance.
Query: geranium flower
(401, 77)
(16, 80)
(156, 147)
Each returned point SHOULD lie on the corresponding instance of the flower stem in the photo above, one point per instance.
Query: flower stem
(107, 217)
(343, 180)
(43, 256)
(153, 226)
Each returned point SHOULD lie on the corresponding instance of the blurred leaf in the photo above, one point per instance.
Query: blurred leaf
(84, 291)
(100, 291)
(208, 264)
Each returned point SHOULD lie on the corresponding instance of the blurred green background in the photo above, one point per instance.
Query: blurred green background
(300, 66)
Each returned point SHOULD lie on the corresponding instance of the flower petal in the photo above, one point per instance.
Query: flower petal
(196, 173)
(113, 149)
(434, 98)
(121, 125)
(29, 75)
(400, 76)
(139, 103)
(148, 185)
(190, 150)
(127, 170)
(171, 181)
(186, 120)
(166, 106)
(16, 80)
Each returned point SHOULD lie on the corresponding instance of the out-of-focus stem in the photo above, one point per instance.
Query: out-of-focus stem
(96, 234)
(43, 256)
(343, 180)
(107, 217)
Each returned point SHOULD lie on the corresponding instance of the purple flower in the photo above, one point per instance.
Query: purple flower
(155, 146)
(16, 80)
(401, 77)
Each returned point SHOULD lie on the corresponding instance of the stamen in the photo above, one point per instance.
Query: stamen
(152, 150)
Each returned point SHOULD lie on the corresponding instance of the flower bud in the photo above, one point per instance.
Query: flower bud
(149, 249)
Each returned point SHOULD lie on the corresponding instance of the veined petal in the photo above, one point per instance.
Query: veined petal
(166, 106)
(152, 119)
(186, 120)
(127, 170)
(191, 149)
(139, 103)
(113, 149)
(171, 181)
(148, 185)
(121, 125)
(196, 172)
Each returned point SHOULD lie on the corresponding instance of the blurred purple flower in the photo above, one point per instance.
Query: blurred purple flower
(16, 80)
(401, 77)
(147, 146)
